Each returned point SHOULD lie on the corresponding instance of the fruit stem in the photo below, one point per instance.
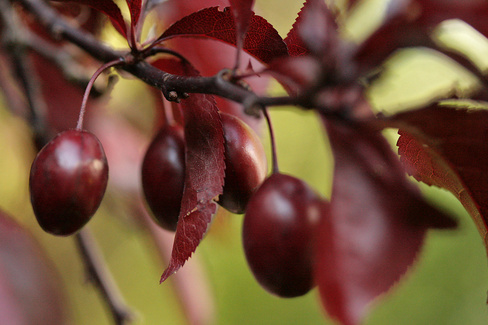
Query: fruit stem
(79, 125)
(274, 155)
(169, 118)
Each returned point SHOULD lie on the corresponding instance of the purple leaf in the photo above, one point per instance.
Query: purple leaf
(295, 73)
(314, 30)
(446, 147)
(409, 23)
(135, 10)
(204, 178)
(242, 10)
(398, 29)
(109, 8)
(293, 40)
(262, 40)
(376, 227)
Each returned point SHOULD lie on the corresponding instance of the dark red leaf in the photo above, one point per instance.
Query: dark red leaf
(197, 51)
(314, 30)
(293, 40)
(473, 12)
(448, 147)
(295, 73)
(376, 227)
(242, 10)
(409, 23)
(109, 8)
(135, 10)
(30, 290)
(204, 178)
(262, 40)
(175, 66)
(61, 111)
(398, 29)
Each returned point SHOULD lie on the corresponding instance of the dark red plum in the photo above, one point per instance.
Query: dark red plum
(163, 175)
(245, 164)
(67, 182)
(278, 234)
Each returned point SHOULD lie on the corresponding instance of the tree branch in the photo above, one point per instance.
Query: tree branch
(166, 82)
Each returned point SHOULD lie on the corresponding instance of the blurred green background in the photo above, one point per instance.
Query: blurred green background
(448, 286)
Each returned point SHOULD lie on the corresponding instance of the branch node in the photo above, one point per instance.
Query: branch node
(252, 107)
(173, 96)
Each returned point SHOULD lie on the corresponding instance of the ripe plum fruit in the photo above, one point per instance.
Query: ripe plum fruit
(245, 164)
(163, 175)
(67, 181)
(278, 234)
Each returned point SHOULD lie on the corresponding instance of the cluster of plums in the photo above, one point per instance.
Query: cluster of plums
(69, 177)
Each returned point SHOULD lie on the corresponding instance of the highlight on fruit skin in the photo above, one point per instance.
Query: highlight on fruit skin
(245, 164)
(279, 234)
(68, 179)
(163, 175)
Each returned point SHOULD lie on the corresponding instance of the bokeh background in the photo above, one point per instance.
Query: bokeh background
(448, 285)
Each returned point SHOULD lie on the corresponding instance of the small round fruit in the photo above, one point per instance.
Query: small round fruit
(67, 182)
(163, 175)
(245, 164)
(278, 234)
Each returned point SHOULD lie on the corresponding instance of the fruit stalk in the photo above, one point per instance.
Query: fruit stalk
(79, 125)
(274, 154)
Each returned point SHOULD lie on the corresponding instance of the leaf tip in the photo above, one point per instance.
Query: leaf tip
(168, 272)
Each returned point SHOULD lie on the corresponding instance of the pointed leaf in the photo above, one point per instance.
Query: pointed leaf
(176, 66)
(293, 40)
(409, 23)
(204, 176)
(314, 30)
(135, 10)
(61, 111)
(397, 30)
(472, 12)
(447, 147)
(198, 50)
(242, 11)
(109, 8)
(376, 227)
(262, 40)
(295, 73)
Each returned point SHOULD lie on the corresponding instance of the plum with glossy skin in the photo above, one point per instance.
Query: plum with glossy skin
(163, 175)
(67, 181)
(278, 234)
(245, 164)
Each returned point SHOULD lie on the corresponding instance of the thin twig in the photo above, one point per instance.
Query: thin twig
(11, 39)
(11, 90)
(101, 277)
(72, 70)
